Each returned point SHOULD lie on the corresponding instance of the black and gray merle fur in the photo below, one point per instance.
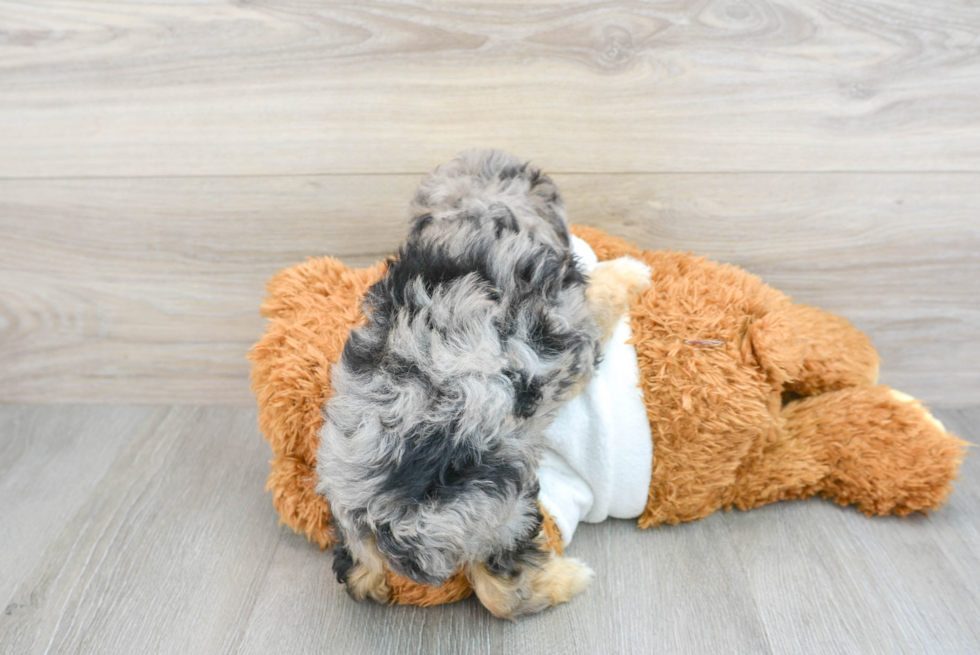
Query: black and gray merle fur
(474, 337)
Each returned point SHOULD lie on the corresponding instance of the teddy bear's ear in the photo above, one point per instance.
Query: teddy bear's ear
(772, 342)
(304, 287)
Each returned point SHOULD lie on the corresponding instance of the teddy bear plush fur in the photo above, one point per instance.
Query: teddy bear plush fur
(751, 399)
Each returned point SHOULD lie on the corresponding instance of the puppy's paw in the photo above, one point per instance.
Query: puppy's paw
(366, 578)
(364, 583)
(563, 578)
(557, 580)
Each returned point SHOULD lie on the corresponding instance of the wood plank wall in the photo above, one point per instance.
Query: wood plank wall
(158, 162)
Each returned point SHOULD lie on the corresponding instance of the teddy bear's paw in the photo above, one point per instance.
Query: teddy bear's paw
(905, 398)
(612, 286)
(629, 273)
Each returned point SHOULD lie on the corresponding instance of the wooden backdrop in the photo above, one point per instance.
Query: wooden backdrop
(158, 162)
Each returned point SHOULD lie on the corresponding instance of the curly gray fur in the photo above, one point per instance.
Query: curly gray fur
(474, 337)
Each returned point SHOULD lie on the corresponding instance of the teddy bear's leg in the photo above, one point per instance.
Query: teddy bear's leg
(612, 285)
(837, 355)
(788, 467)
(868, 446)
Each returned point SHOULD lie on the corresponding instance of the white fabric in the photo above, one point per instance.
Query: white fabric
(601, 451)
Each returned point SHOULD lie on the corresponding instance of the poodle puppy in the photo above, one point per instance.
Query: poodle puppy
(483, 325)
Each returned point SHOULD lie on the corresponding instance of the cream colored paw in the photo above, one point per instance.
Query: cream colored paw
(367, 579)
(627, 272)
(905, 398)
(364, 583)
(535, 589)
(563, 578)
(612, 285)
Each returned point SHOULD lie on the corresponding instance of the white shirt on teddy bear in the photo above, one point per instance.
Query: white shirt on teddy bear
(600, 457)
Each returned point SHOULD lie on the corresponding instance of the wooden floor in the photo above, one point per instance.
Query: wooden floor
(143, 530)
(160, 160)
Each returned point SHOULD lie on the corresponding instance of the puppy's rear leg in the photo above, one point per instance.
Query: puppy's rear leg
(530, 587)
(366, 578)
(612, 285)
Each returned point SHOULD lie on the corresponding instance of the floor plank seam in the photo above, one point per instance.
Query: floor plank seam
(170, 446)
(745, 577)
(237, 648)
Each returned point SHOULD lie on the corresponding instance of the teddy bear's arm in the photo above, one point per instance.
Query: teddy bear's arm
(613, 285)
(804, 349)
(836, 354)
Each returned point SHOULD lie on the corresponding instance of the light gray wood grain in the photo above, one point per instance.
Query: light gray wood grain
(101, 88)
(166, 554)
(177, 550)
(50, 462)
(678, 590)
(827, 580)
(966, 501)
(147, 290)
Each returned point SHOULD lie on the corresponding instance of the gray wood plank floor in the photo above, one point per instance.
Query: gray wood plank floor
(145, 530)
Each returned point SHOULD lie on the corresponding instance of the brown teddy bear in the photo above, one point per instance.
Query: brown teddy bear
(749, 398)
